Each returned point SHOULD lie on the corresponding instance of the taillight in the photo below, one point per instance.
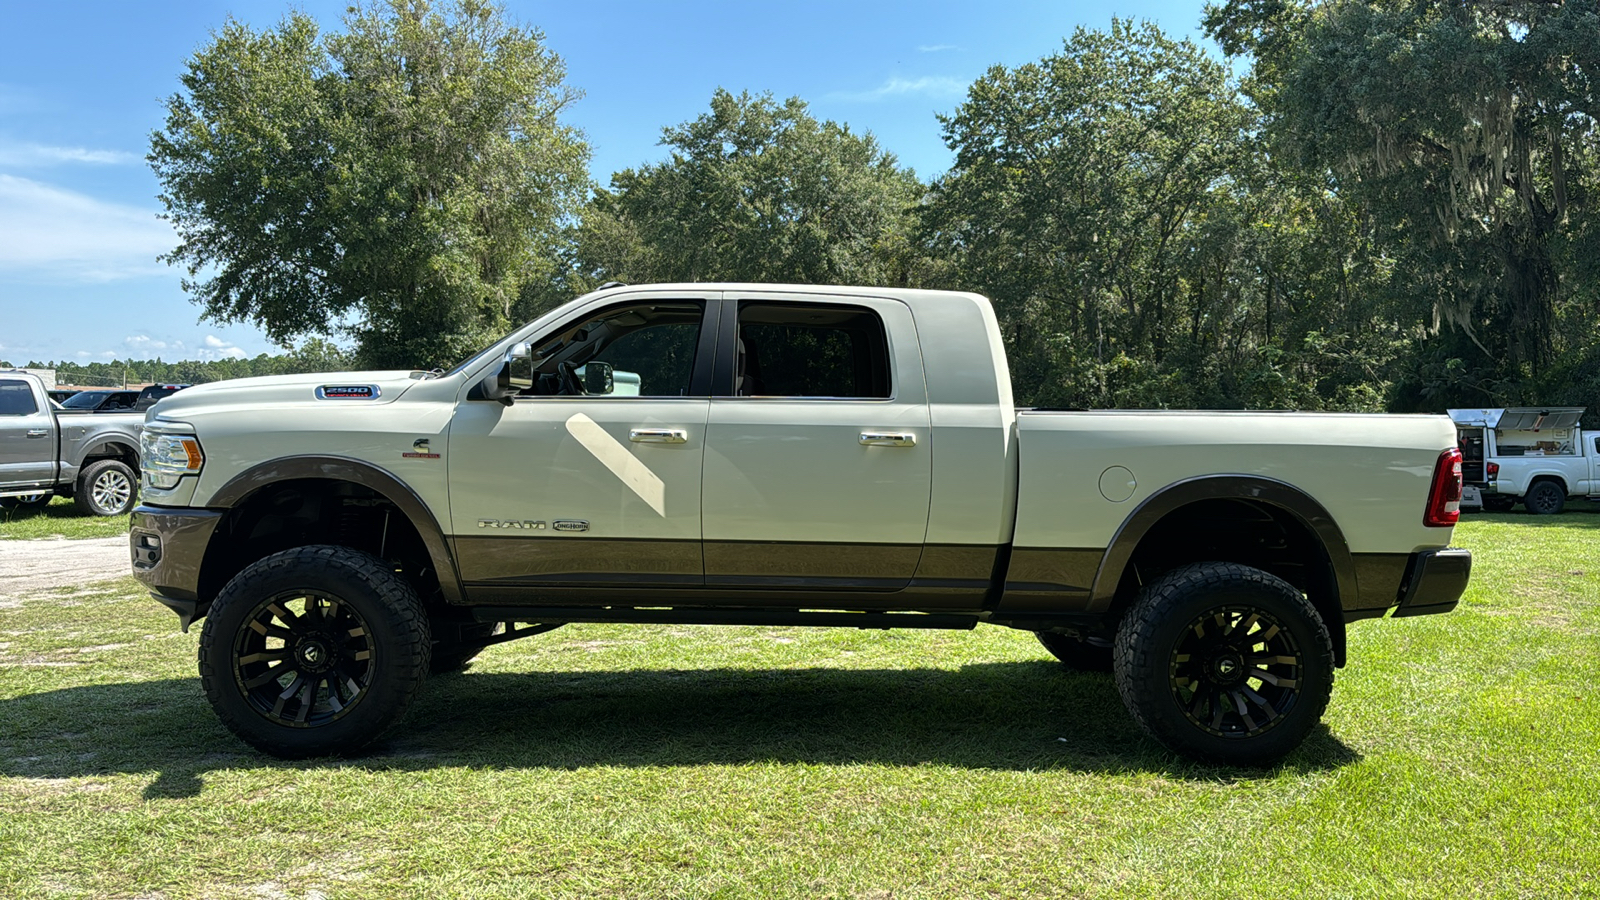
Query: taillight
(1444, 498)
(1493, 469)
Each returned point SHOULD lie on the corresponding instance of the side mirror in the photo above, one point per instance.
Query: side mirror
(497, 384)
(597, 378)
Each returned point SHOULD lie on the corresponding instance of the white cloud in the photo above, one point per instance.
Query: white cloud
(217, 348)
(933, 86)
(46, 230)
(144, 343)
(26, 155)
(936, 48)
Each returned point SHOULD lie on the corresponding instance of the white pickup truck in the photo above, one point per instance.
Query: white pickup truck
(783, 455)
(1536, 455)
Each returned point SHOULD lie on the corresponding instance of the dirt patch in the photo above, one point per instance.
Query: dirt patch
(30, 566)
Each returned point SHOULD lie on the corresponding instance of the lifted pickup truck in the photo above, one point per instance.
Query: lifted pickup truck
(44, 450)
(783, 455)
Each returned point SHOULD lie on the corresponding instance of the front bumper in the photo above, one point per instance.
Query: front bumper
(1434, 582)
(167, 546)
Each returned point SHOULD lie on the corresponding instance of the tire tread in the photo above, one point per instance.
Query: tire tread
(1135, 652)
(397, 600)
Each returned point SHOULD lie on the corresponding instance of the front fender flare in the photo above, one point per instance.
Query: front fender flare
(357, 471)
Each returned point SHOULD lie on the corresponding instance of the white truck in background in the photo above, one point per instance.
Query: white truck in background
(1536, 455)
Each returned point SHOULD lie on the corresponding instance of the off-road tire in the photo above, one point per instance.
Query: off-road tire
(1183, 667)
(106, 487)
(1078, 654)
(368, 622)
(454, 655)
(1545, 498)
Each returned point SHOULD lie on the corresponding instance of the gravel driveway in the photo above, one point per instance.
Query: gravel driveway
(28, 566)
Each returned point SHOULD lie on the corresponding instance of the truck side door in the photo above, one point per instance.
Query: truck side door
(818, 466)
(1593, 452)
(586, 481)
(27, 436)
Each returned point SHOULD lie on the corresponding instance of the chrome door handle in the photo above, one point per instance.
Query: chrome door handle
(658, 435)
(38, 432)
(888, 438)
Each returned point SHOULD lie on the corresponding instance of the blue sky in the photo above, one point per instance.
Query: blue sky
(82, 85)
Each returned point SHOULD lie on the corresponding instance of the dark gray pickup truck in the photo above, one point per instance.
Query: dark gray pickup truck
(46, 451)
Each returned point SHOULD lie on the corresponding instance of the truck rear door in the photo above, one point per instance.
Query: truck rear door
(818, 465)
(27, 436)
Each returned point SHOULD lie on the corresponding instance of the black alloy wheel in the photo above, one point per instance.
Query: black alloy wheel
(304, 659)
(1545, 498)
(1235, 672)
(314, 650)
(1224, 663)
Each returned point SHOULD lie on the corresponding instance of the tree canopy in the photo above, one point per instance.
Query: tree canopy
(1467, 129)
(755, 190)
(399, 182)
(1393, 206)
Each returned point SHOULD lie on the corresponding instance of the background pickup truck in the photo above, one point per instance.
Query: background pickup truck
(1536, 455)
(782, 455)
(91, 457)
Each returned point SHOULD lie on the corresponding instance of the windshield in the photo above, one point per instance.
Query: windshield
(466, 362)
(85, 400)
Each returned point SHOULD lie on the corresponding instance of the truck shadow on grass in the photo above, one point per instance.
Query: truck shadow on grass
(1014, 715)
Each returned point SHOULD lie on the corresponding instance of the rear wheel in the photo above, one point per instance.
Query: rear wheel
(1224, 663)
(26, 501)
(1545, 498)
(106, 487)
(1089, 654)
(314, 650)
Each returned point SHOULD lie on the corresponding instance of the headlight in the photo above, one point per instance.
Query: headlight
(165, 457)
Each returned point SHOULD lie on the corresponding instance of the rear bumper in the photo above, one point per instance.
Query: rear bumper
(167, 546)
(1434, 582)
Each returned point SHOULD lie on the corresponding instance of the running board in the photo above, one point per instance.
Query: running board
(674, 616)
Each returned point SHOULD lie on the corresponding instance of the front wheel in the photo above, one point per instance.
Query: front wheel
(1224, 663)
(106, 487)
(313, 651)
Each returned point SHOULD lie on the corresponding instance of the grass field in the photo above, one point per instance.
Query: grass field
(1461, 758)
(58, 518)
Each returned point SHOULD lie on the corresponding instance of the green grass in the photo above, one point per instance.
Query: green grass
(58, 518)
(1460, 758)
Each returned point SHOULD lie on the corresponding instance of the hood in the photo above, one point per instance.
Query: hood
(275, 390)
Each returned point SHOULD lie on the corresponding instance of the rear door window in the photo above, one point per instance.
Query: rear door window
(795, 350)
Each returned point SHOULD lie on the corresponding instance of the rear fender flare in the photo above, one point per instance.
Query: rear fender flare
(1269, 491)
